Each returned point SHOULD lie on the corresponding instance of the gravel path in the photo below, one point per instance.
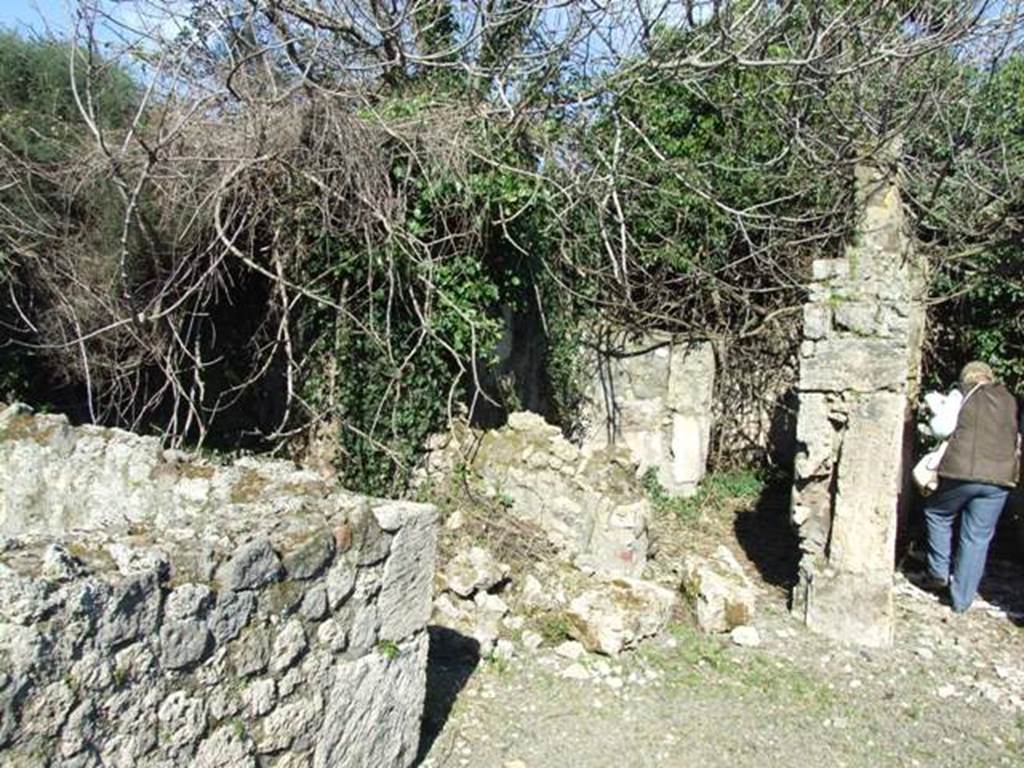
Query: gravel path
(948, 694)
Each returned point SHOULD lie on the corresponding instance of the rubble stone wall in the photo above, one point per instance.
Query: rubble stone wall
(654, 396)
(161, 611)
(859, 371)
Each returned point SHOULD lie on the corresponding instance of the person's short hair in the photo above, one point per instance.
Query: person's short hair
(977, 372)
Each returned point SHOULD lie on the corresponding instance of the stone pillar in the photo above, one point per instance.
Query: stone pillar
(859, 371)
(654, 396)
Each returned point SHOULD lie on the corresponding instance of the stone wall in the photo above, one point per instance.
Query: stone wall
(655, 397)
(859, 370)
(162, 611)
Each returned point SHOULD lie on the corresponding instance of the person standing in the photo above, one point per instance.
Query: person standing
(975, 476)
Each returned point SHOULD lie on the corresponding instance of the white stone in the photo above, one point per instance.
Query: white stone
(616, 614)
(473, 570)
(289, 645)
(374, 709)
(570, 649)
(746, 636)
(260, 696)
(718, 590)
(575, 671)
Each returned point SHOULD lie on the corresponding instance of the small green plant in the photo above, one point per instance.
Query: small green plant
(717, 490)
(388, 649)
(554, 628)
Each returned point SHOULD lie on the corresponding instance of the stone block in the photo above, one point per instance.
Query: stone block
(616, 614)
(855, 365)
(718, 591)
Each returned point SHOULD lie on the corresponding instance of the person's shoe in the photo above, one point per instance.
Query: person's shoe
(929, 582)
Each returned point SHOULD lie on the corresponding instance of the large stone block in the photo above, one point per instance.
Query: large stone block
(374, 709)
(854, 364)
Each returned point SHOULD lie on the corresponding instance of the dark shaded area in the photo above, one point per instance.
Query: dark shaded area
(450, 663)
(767, 535)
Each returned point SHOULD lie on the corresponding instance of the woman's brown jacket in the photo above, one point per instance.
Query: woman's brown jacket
(983, 447)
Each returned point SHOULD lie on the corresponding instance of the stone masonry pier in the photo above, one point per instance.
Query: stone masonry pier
(157, 610)
(859, 371)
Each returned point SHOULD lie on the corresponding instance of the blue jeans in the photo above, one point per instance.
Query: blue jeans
(981, 505)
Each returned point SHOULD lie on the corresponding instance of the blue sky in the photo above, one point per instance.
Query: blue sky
(32, 13)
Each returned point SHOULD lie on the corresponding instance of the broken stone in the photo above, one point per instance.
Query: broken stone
(618, 613)
(718, 591)
(472, 571)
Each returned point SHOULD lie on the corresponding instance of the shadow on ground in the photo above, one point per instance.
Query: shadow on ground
(450, 663)
(768, 537)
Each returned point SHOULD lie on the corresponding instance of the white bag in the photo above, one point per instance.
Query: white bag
(926, 471)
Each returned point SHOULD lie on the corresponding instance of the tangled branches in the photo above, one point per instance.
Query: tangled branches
(323, 213)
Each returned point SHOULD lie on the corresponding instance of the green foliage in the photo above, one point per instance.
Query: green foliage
(726, 488)
(388, 649)
(39, 116)
(969, 217)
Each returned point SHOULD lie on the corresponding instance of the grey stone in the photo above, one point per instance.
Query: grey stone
(314, 604)
(374, 710)
(289, 645)
(281, 599)
(291, 722)
(183, 643)
(182, 720)
(407, 585)
(254, 565)
(341, 581)
(311, 557)
(371, 541)
(47, 709)
(231, 614)
(259, 697)
(116, 664)
(59, 565)
(250, 653)
(187, 601)
(332, 635)
(92, 672)
(226, 747)
(134, 610)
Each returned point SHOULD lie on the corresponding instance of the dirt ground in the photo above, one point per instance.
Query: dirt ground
(949, 693)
